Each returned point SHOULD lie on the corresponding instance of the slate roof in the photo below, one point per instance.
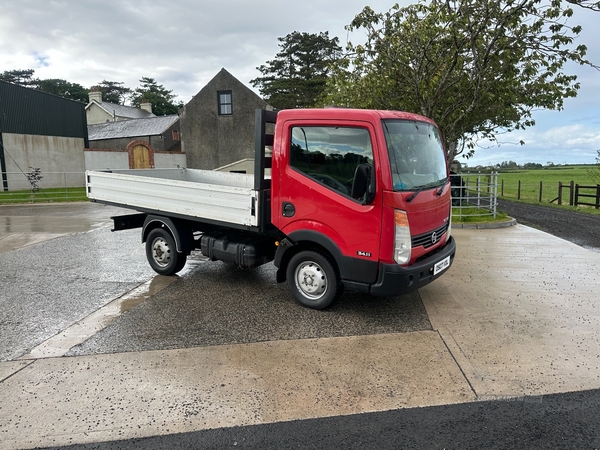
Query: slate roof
(150, 126)
(129, 112)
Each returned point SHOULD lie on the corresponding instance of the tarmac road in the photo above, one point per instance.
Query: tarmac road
(577, 227)
(90, 295)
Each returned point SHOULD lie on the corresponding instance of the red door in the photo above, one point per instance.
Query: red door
(313, 186)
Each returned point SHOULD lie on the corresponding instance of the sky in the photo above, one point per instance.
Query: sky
(184, 44)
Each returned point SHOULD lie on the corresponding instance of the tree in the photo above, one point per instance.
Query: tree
(22, 77)
(298, 74)
(508, 165)
(476, 67)
(594, 172)
(158, 95)
(63, 88)
(587, 4)
(112, 91)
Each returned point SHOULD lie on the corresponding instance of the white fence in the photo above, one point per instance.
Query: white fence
(474, 195)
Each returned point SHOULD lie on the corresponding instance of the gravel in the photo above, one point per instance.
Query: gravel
(577, 227)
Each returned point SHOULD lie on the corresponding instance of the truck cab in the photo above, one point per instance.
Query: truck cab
(363, 197)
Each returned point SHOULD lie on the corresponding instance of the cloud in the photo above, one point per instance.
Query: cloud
(183, 45)
(88, 41)
(568, 144)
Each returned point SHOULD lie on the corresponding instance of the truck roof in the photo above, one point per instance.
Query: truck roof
(349, 114)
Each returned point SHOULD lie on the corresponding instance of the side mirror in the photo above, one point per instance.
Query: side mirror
(362, 185)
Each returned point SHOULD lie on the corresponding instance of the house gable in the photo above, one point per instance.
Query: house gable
(102, 112)
(212, 136)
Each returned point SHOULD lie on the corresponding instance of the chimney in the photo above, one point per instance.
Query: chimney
(96, 95)
(146, 106)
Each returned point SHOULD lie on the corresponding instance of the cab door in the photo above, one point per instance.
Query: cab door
(314, 192)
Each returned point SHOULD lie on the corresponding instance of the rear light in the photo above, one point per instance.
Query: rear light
(402, 243)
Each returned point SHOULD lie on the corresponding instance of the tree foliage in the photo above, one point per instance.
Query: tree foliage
(477, 67)
(151, 92)
(64, 88)
(22, 77)
(298, 74)
(113, 91)
(587, 4)
(116, 92)
(55, 86)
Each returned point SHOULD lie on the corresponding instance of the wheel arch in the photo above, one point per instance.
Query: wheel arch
(301, 240)
(180, 230)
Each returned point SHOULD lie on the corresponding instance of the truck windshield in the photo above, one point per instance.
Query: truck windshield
(416, 155)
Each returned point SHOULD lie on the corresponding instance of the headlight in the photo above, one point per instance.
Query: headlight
(402, 243)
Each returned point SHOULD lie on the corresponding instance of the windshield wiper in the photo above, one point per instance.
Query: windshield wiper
(412, 196)
(441, 189)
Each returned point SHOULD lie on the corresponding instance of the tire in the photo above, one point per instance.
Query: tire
(313, 280)
(162, 254)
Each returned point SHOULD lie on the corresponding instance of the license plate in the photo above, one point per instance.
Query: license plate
(442, 265)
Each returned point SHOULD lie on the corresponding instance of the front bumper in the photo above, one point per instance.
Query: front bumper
(397, 280)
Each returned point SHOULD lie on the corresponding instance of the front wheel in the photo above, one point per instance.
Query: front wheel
(313, 280)
(162, 254)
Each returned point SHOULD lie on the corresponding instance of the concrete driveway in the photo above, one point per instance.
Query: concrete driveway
(516, 316)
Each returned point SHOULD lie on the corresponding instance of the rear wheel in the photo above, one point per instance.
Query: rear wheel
(162, 254)
(313, 279)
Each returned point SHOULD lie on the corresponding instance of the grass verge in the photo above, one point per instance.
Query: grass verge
(76, 194)
(476, 215)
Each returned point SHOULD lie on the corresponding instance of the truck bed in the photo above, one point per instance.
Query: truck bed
(202, 195)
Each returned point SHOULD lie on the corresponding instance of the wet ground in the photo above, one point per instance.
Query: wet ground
(96, 347)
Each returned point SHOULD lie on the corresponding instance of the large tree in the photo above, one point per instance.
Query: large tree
(22, 77)
(113, 91)
(162, 99)
(64, 88)
(298, 74)
(477, 67)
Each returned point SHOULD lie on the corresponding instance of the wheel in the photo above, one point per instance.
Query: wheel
(162, 254)
(313, 280)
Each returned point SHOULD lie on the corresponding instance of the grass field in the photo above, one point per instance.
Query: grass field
(508, 184)
(44, 196)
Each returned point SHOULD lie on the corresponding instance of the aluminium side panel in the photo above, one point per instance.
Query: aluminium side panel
(229, 204)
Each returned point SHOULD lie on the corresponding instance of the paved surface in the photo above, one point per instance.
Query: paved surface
(562, 421)
(27, 224)
(204, 359)
(577, 227)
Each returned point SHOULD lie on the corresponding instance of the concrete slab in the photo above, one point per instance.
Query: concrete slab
(520, 312)
(88, 399)
(9, 368)
(13, 241)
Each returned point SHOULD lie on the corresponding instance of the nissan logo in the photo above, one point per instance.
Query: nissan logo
(434, 237)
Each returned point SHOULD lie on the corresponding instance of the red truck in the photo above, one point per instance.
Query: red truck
(348, 198)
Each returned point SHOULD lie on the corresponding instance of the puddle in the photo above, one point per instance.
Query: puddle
(81, 331)
(49, 224)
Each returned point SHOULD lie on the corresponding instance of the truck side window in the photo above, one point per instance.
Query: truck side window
(330, 155)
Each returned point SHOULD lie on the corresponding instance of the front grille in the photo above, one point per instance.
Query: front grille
(426, 239)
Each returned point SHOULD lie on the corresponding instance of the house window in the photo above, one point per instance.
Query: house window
(175, 135)
(225, 103)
